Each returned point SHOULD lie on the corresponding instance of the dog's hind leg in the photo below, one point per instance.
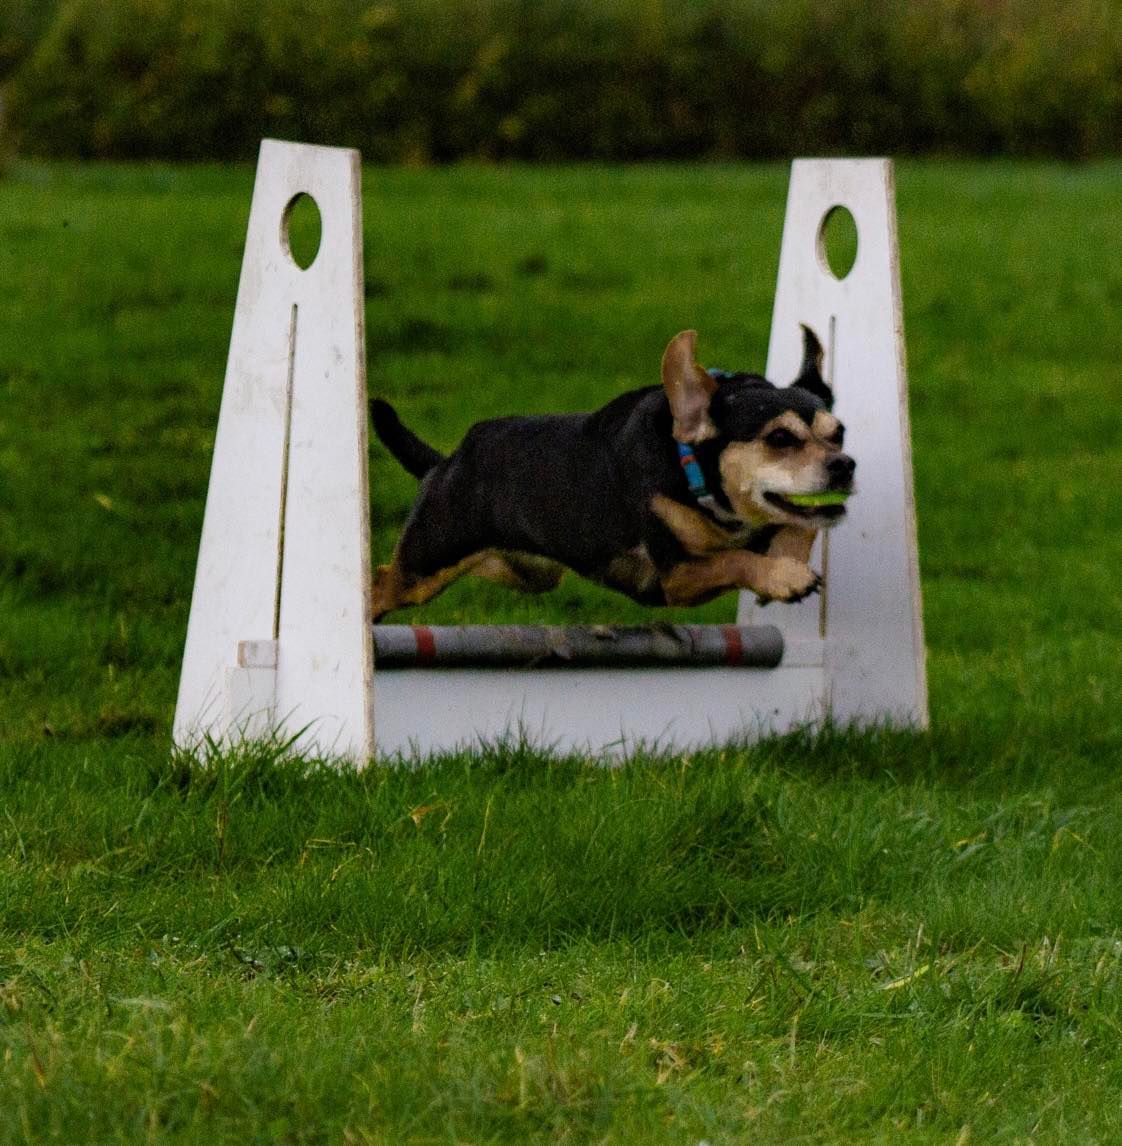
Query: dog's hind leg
(444, 539)
(522, 571)
(394, 587)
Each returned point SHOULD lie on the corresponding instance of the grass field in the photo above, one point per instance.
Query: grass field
(844, 939)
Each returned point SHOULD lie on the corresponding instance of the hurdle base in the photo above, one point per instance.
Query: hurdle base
(605, 709)
(602, 711)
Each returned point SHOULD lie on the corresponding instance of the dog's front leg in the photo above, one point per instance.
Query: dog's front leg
(770, 578)
(793, 541)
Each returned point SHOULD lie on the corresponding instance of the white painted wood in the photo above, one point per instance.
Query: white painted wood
(249, 711)
(284, 554)
(870, 611)
(601, 711)
(257, 654)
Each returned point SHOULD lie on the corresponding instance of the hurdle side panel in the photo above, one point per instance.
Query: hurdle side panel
(611, 711)
(870, 609)
(325, 656)
(284, 555)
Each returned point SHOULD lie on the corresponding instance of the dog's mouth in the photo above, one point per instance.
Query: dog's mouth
(829, 504)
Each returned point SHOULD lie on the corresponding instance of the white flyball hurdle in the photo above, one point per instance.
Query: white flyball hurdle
(279, 639)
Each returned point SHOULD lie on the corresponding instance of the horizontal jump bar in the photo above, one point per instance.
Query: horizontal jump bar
(576, 646)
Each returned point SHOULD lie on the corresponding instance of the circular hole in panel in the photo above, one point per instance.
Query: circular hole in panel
(301, 230)
(837, 242)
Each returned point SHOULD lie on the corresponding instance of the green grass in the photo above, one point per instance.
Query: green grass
(841, 939)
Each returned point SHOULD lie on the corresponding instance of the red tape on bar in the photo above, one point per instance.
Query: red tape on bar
(426, 644)
(734, 646)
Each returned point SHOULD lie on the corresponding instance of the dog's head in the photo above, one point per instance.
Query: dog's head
(771, 451)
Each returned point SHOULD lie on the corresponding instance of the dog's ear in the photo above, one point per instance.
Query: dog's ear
(810, 375)
(689, 389)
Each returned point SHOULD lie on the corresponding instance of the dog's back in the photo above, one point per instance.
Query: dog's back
(545, 484)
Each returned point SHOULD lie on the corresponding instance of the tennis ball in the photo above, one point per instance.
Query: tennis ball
(831, 497)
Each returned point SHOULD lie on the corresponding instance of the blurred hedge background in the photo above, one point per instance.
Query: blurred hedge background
(434, 80)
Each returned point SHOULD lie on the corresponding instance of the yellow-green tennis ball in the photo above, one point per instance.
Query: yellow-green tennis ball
(813, 500)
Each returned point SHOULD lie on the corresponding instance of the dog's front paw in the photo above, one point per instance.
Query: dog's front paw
(786, 579)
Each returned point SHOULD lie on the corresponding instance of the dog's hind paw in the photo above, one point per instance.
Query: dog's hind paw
(787, 580)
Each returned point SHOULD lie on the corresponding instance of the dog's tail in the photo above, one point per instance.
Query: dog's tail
(416, 456)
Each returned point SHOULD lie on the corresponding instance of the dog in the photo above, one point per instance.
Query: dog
(672, 494)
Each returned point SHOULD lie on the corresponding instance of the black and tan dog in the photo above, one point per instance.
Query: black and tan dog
(672, 494)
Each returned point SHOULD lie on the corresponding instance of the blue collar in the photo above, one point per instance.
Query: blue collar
(696, 481)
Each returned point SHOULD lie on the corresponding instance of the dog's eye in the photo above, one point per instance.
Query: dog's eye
(781, 439)
(837, 438)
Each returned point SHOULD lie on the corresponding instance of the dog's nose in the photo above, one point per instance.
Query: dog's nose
(841, 469)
